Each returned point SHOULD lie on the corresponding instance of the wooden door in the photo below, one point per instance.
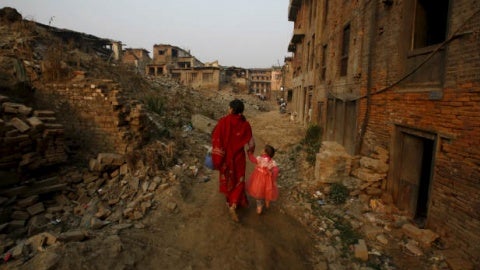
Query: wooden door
(410, 173)
(350, 127)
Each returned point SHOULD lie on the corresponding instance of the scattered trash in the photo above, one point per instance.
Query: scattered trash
(56, 221)
(7, 256)
(188, 127)
(318, 195)
(204, 179)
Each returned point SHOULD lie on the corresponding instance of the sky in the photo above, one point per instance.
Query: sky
(247, 33)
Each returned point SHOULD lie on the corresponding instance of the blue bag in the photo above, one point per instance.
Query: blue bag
(208, 161)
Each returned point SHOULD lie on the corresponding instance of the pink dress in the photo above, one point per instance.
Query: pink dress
(262, 183)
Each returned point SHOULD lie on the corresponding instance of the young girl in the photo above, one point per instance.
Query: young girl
(262, 184)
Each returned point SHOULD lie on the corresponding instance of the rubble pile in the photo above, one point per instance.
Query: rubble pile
(110, 192)
(367, 226)
(372, 171)
(29, 138)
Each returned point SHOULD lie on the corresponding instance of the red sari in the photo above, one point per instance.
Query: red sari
(229, 137)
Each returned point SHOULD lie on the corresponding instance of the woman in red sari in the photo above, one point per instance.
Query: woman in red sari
(229, 138)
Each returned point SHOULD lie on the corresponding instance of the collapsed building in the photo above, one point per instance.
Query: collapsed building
(237, 77)
(402, 75)
(54, 113)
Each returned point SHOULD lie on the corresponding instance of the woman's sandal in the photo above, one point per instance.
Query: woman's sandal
(259, 210)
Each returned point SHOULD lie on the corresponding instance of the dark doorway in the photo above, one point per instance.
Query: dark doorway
(415, 160)
(289, 95)
(424, 187)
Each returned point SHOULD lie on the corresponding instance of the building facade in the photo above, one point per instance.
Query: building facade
(287, 79)
(276, 85)
(265, 82)
(260, 81)
(403, 75)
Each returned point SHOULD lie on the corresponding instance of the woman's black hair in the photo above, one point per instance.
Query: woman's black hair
(237, 106)
(269, 150)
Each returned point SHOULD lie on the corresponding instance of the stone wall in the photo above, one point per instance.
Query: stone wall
(96, 115)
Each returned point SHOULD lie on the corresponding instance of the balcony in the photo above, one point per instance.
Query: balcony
(291, 47)
(293, 9)
(298, 34)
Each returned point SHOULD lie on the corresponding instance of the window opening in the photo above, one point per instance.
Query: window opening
(430, 23)
(345, 49)
(323, 71)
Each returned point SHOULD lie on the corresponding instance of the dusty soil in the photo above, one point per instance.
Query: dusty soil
(199, 233)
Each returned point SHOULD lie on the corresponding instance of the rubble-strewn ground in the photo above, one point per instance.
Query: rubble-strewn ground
(165, 212)
(189, 227)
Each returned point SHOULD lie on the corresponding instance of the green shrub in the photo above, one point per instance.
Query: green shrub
(313, 135)
(155, 104)
(338, 193)
(312, 142)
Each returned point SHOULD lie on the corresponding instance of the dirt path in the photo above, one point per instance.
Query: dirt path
(189, 226)
(204, 237)
(199, 234)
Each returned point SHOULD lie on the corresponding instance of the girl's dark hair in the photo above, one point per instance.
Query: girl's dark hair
(269, 150)
(237, 106)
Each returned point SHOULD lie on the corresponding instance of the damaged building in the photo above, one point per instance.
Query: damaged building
(402, 75)
(136, 58)
(237, 77)
(182, 66)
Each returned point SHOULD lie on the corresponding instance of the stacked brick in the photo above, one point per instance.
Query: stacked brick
(96, 114)
(372, 170)
(29, 139)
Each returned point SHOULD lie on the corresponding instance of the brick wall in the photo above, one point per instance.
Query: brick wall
(441, 98)
(453, 115)
(95, 115)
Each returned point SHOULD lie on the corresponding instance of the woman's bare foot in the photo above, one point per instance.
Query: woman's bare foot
(233, 213)
(259, 210)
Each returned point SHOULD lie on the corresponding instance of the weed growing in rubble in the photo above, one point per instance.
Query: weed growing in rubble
(293, 153)
(348, 235)
(155, 104)
(311, 142)
(338, 193)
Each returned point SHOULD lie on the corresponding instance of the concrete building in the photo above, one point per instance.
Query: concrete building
(173, 61)
(276, 85)
(287, 79)
(403, 75)
(260, 80)
(265, 82)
